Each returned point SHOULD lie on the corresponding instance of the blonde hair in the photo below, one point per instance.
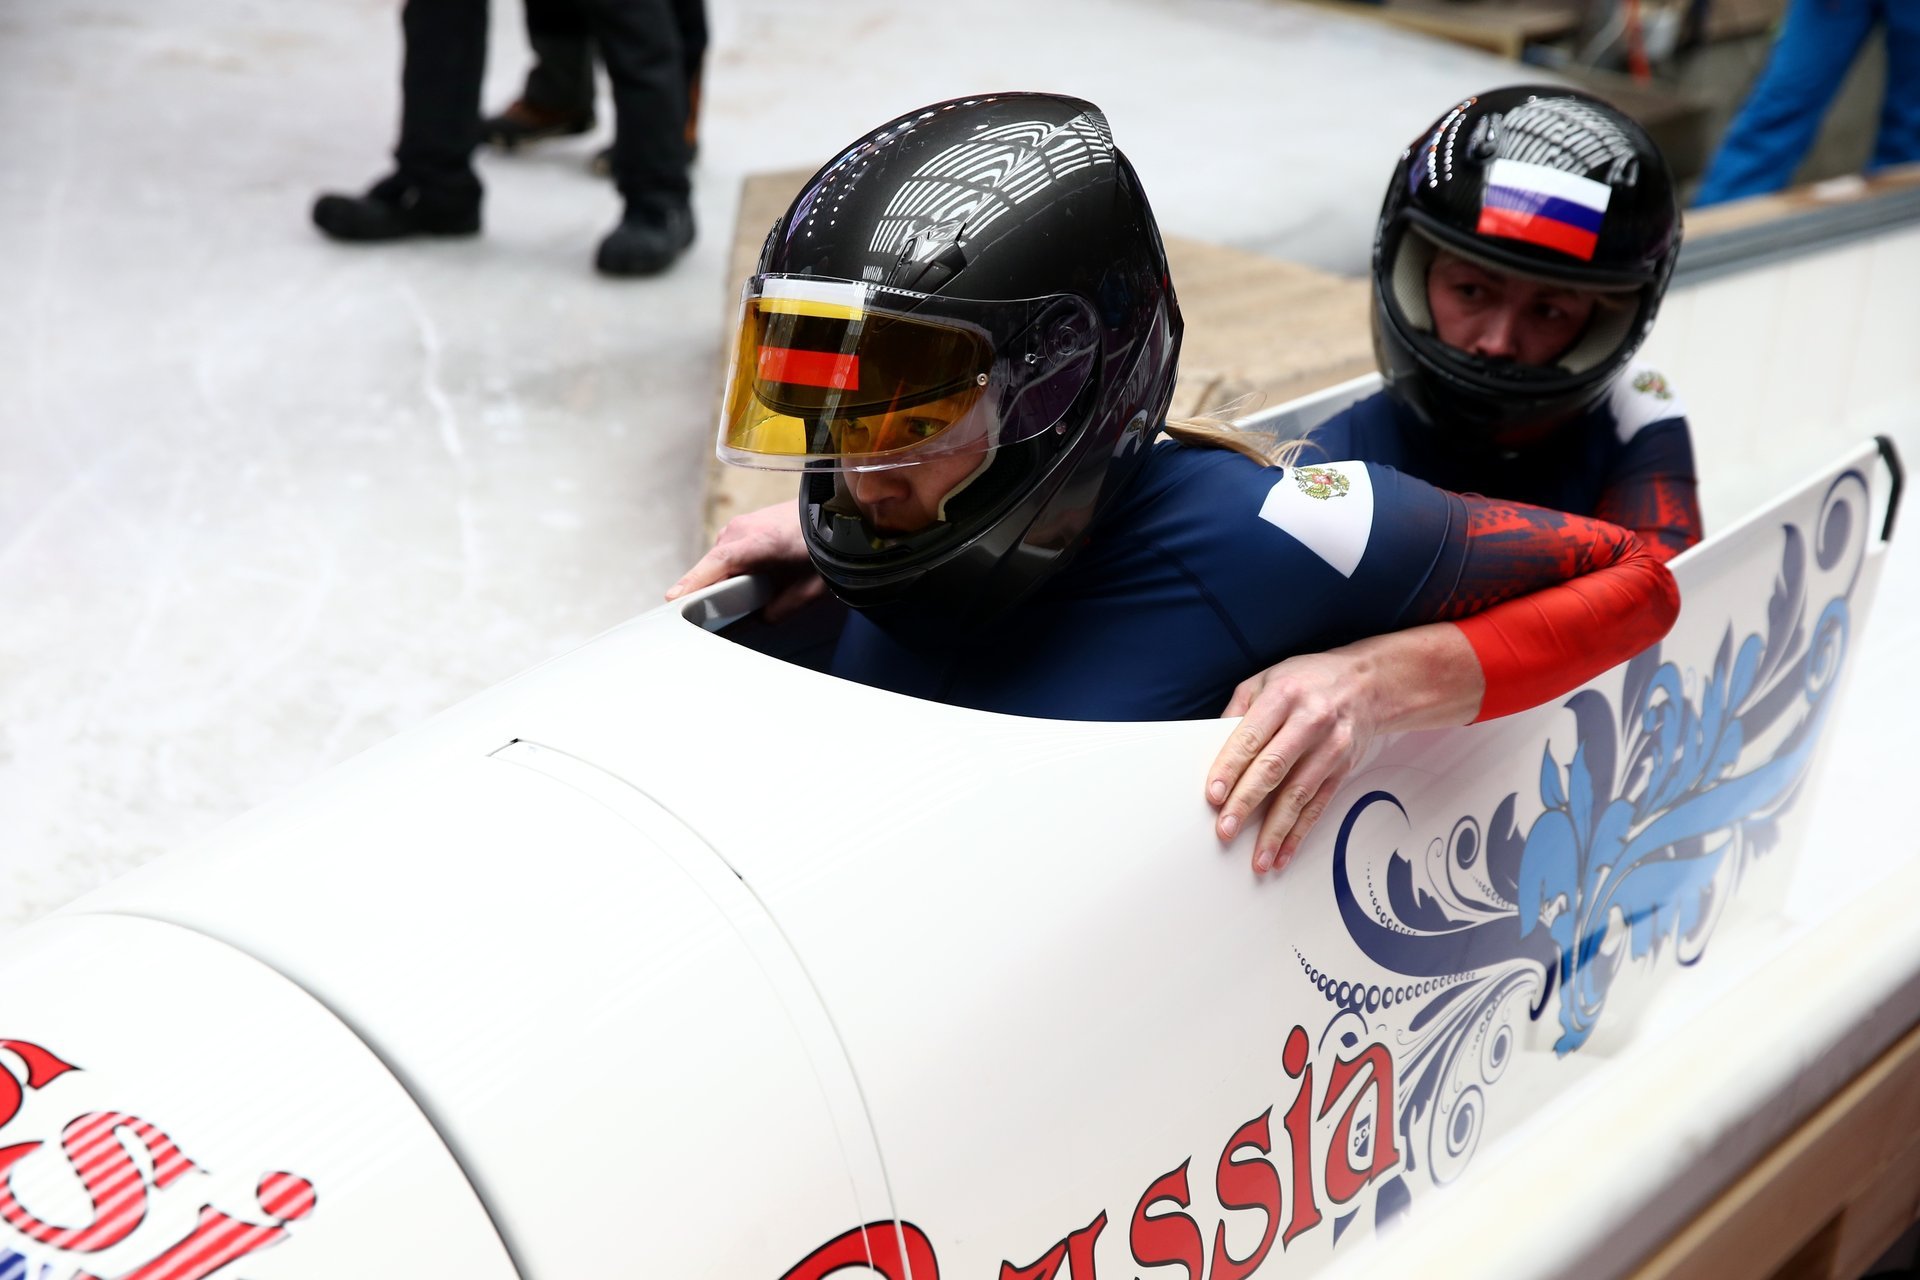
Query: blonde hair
(1263, 447)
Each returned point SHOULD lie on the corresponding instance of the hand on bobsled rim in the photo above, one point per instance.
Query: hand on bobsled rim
(1307, 722)
(765, 542)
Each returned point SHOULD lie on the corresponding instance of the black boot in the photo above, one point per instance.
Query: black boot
(396, 207)
(654, 232)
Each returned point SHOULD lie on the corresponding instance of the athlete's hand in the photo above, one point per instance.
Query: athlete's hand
(1308, 722)
(766, 542)
(1311, 720)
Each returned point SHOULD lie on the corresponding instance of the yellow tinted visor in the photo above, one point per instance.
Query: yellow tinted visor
(819, 372)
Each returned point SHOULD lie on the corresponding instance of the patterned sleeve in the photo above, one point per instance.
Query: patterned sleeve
(1549, 600)
(1652, 488)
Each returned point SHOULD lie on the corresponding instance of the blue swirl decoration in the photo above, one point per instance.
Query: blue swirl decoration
(1644, 835)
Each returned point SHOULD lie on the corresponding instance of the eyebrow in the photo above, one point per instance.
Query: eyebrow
(1550, 290)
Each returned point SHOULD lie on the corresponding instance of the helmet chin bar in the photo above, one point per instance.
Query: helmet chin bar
(986, 461)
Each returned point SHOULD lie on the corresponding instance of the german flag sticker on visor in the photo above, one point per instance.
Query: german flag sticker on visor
(837, 373)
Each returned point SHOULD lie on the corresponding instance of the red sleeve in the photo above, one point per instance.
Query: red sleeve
(1599, 596)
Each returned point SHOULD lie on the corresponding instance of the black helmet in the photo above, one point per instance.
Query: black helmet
(991, 264)
(1543, 182)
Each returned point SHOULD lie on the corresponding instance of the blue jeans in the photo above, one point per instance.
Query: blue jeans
(1817, 43)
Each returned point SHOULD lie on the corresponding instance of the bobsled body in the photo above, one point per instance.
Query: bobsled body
(673, 958)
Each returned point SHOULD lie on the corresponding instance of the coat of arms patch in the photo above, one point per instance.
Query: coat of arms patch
(1321, 482)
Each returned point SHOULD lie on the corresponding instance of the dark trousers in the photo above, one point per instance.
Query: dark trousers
(446, 58)
(561, 78)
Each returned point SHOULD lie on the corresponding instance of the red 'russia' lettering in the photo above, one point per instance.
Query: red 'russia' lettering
(113, 1182)
(1076, 1251)
(1246, 1184)
(1299, 1125)
(95, 1148)
(896, 1251)
(218, 1239)
(1344, 1182)
(1159, 1239)
(42, 1068)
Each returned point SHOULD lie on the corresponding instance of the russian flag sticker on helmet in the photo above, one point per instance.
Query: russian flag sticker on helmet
(1545, 206)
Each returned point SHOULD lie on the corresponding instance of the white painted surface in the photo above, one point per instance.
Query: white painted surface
(1784, 367)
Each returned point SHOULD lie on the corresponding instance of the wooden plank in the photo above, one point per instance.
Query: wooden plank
(1736, 215)
(1815, 1201)
(1503, 27)
(1875, 1221)
(1259, 331)
(1262, 331)
(1731, 19)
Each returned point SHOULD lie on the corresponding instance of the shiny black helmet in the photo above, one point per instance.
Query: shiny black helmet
(1538, 181)
(978, 284)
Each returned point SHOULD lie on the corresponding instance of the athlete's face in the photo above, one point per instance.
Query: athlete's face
(903, 500)
(1503, 317)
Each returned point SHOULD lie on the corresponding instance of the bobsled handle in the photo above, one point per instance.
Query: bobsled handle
(725, 603)
(1898, 474)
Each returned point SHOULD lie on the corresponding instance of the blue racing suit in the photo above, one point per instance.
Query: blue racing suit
(1628, 460)
(1209, 567)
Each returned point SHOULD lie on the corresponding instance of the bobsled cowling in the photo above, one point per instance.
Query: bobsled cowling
(677, 999)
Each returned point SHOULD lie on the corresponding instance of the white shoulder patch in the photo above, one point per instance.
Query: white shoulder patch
(1642, 396)
(1327, 508)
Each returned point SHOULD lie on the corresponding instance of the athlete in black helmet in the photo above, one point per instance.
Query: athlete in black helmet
(991, 265)
(1521, 255)
(1522, 251)
(962, 333)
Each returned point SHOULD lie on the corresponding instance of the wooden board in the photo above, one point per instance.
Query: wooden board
(1731, 19)
(1504, 27)
(1737, 215)
(1827, 1201)
(1261, 331)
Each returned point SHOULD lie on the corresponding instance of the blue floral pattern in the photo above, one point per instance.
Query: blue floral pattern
(1643, 835)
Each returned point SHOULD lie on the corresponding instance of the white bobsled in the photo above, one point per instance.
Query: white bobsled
(674, 958)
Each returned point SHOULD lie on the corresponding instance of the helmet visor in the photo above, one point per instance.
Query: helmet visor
(836, 374)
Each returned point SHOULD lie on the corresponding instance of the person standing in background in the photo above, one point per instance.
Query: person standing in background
(1818, 41)
(434, 190)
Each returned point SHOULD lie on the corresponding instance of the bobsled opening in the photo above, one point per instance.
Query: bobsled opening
(732, 610)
